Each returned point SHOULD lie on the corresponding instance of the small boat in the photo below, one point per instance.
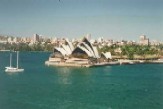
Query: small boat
(131, 62)
(13, 69)
(141, 61)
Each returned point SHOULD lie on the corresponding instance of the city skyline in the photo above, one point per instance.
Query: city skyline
(115, 19)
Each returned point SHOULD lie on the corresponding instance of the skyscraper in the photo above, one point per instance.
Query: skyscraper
(144, 40)
(35, 38)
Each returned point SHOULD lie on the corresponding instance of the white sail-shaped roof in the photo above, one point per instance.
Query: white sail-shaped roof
(70, 45)
(96, 52)
(107, 55)
(90, 45)
(85, 45)
(61, 50)
(87, 51)
(67, 49)
(88, 48)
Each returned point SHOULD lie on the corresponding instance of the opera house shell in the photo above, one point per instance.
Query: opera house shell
(84, 54)
(64, 50)
(85, 50)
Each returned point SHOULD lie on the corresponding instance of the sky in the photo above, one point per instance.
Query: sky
(112, 19)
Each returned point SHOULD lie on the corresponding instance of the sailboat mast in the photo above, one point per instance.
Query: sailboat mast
(17, 58)
(10, 59)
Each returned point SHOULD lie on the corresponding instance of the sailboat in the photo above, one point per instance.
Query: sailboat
(13, 69)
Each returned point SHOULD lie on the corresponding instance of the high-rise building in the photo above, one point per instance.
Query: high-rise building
(144, 40)
(35, 38)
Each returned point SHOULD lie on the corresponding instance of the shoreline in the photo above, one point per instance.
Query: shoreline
(119, 62)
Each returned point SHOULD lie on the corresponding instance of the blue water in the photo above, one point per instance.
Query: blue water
(137, 86)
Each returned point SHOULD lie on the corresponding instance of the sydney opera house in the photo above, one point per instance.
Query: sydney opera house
(83, 55)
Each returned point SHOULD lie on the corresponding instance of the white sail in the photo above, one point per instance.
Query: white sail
(13, 69)
(10, 59)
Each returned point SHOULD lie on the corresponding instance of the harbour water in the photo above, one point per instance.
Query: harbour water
(138, 86)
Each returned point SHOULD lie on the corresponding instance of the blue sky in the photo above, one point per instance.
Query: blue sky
(112, 19)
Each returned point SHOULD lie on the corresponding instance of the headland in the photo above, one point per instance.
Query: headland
(85, 54)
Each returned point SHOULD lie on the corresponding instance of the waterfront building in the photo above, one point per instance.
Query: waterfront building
(154, 42)
(63, 51)
(83, 54)
(85, 50)
(105, 57)
(144, 40)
